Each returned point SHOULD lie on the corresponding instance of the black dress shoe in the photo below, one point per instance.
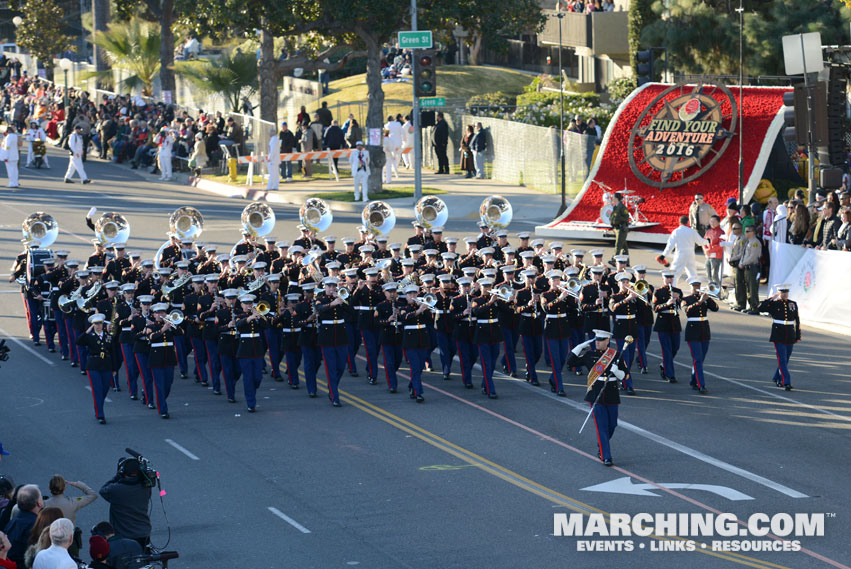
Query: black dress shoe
(182, 376)
(468, 385)
(205, 383)
(672, 379)
(294, 386)
(372, 381)
(484, 391)
(704, 390)
(553, 388)
(420, 398)
(788, 387)
(312, 395)
(217, 392)
(279, 378)
(73, 364)
(64, 358)
(36, 343)
(446, 377)
(493, 396)
(101, 420)
(82, 372)
(89, 181)
(392, 390)
(514, 374)
(252, 410)
(150, 405)
(608, 462)
(67, 181)
(630, 391)
(535, 382)
(116, 388)
(505, 370)
(412, 395)
(134, 398)
(696, 388)
(662, 371)
(51, 350)
(644, 371)
(164, 415)
(561, 393)
(231, 400)
(336, 404)
(353, 373)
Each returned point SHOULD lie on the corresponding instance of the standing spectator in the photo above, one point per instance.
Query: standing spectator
(354, 133)
(713, 250)
(699, 213)
(780, 227)
(10, 146)
(767, 228)
(128, 501)
(273, 160)
(799, 225)
(440, 140)
(467, 163)
(394, 129)
(748, 219)
(309, 142)
(826, 227)
(302, 116)
(318, 130)
(479, 145)
(749, 264)
(324, 115)
(288, 143)
(389, 163)
(348, 123)
(40, 534)
(56, 556)
(69, 506)
(735, 245)
(18, 529)
(199, 159)
(335, 139)
(247, 107)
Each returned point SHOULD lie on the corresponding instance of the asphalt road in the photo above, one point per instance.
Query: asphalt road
(460, 481)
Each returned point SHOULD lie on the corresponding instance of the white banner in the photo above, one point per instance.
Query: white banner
(819, 281)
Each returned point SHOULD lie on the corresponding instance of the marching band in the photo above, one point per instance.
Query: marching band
(304, 310)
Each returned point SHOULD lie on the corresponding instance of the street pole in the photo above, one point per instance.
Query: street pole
(418, 145)
(561, 120)
(741, 11)
(66, 92)
(811, 150)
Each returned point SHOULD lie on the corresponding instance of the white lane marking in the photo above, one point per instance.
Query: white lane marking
(288, 519)
(753, 477)
(625, 486)
(89, 389)
(182, 449)
(763, 391)
(27, 348)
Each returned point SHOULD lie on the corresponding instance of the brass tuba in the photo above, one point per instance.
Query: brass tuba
(378, 217)
(496, 212)
(258, 219)
(111, 228)
(431, 211)
(186, 222)
(315, 215)
(40, 230)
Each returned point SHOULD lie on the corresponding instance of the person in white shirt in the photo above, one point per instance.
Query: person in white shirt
(165, 142)
(359, 161)
(75, 164)
(273, 160)
(682, 242)
(395, 142)
(390, 152)
(10, 156)
(407, 142)
(34, 133)
(56, 556)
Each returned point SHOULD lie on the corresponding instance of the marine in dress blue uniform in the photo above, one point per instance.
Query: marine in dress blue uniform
(163, 355)
(290, 331)
(488, 335)
(364, 300)
(531, 326)
(99, 369)
(697, 306)
(785, 331)
(333, 337)
(645, 321)
(554, 303)
(624, 307)
(305, 319)
(594, 299)
(444, 325)
(666, 302)
(125, 309)
(227, 345)
(464, 330)
(250, 349)
(415, 340)
(390, 334)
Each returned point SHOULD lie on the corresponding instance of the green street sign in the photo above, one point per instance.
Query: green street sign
(433, 102)
(415, 40)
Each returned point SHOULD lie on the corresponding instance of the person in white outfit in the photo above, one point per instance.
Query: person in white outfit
(389, 159)
(407, 142)
(681, 243)
(75, 164)
(35, 132)
(165, 142)
(273, 161)
(395, 130)
(359, 161)
(56, 556)
(10, 156)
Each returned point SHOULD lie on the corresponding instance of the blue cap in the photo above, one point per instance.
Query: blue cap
(2, 451)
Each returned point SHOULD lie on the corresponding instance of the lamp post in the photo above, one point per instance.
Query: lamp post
(65, 64)
(561, 114)
(741, 11)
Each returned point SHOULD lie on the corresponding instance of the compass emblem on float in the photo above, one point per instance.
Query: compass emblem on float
(681, 134)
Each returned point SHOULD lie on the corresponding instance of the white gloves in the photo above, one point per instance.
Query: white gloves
(91, 212)
(618, 373)
(581, 348)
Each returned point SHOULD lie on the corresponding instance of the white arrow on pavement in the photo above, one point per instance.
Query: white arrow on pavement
(625, 486)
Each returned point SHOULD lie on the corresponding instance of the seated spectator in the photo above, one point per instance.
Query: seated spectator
(40, 534)
(5, 563)
(120, 548)
(69, 506)
(199, 159)
(56, 556)
(18, 529)
(99, 551)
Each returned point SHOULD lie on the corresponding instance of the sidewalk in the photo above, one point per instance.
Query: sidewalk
(463, 195)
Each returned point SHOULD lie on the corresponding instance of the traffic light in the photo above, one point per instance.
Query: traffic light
(425, 78)
(796, 119)
(795, 116)
(836, 87)
(644, 69)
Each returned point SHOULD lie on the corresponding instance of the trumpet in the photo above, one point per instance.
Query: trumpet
(344, 294)
(262, 308)
(175, 317)
(503, 293)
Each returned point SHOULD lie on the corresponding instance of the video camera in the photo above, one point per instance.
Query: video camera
(4, 351)
(146, 473)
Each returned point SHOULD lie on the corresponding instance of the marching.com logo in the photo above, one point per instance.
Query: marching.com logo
(776, 529)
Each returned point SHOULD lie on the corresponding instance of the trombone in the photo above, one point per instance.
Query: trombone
(503, 293)
(175, 317)
(263, 308)
(713, 291)
(428, 300)
(572, 288)
(641, 288)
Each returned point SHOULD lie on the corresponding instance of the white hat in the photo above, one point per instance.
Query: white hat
(695, 282)
(621, 258)
(330, 281)
(554, 274)
(97, 317)
(160, 307)
(623, 276)
(668, 274)
(640, 268)
(145, 298)
(597, 252)
(230, 293)
(444, 278)
(487, 281)
(247, 298)
(412, 288)
(486, 251)
(259, 266)
(577, 252)
(783, 287)
(389, 286)
(464, 281)
(371, 271)
(602, 335)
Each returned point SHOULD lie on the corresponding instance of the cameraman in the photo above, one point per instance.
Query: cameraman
(128, 498)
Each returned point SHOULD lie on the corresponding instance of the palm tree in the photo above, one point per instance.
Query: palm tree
(233, 76)
(133, 47)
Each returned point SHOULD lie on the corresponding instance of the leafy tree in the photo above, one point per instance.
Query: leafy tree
(232, 77)
(163, 12)
(41, 32)
(134, 47)
(640, 16)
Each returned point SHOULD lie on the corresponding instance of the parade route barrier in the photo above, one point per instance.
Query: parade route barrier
(817, 278)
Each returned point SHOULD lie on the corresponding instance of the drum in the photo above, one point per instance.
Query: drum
(38, 148)
(605, 213)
